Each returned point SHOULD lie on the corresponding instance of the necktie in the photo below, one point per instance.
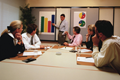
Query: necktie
(72, 39)
(31, 40)
(60, 24)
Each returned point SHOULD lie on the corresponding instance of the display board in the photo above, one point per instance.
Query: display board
(83, 17)
(44, 19)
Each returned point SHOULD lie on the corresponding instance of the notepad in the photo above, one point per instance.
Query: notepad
(84, 59)
(32, 53)
(67, 48)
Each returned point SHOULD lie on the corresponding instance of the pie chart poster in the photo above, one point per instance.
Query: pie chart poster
(80, 19)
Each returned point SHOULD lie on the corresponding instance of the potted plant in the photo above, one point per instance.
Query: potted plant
(26, 17)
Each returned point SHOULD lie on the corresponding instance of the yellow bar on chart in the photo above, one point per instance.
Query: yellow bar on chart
(46, 25)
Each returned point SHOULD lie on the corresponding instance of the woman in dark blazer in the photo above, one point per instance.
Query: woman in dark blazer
(11, 40)
(91, 33)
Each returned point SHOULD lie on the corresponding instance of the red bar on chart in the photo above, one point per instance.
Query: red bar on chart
(49, 26)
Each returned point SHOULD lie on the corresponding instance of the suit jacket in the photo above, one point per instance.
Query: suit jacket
(7, 47)
(89, 44)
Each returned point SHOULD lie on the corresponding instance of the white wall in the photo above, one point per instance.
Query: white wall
(65, 3)
(117, 22)
(9, 11)
(106, 14)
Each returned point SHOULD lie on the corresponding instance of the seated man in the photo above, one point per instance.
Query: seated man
(110, 51)
(76, 39)
(30, 38)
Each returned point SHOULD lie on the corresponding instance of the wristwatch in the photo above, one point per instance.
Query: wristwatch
(19, 40)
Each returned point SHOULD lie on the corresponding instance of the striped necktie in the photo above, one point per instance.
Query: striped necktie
(60, 24)
(72, 39)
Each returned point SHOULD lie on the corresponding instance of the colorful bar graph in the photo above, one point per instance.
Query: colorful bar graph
(49, 26)
(46, 25)
(53, 21)
(42, 24)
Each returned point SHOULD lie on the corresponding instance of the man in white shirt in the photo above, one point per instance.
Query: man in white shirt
(109, 54)
(62, 28)
(30, 38)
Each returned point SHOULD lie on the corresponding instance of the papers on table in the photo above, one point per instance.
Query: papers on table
(47, 47)
(67, 48)
(84, 59)
(32, 53)
(85, 50)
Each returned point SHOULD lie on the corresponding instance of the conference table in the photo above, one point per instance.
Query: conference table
(50, 66)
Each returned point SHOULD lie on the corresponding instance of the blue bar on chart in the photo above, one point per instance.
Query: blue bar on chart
(53, 21)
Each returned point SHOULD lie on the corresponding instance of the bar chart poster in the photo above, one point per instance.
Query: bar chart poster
(80, 19)
(46, 18)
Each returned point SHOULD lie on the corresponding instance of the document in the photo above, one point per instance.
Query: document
(67, 48)
(47, 47)
(85, 50)
(84, 59)
(32, 53)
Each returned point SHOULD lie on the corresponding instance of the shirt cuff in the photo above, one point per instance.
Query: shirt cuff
(95, 51)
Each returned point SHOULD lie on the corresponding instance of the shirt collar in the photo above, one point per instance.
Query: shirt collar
(63, 20)
(76, 34)
(29, 35)
(11, 35)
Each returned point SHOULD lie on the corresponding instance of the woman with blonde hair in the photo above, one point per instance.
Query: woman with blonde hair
(11, 40)
(91, 33)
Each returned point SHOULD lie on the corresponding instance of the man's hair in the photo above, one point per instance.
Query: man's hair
(77, 29)
(62, 15)
(104, 27)
(31, 28)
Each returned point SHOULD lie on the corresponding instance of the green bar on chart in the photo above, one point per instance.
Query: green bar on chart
(42, 24)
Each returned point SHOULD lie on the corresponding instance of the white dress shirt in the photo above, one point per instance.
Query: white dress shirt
(63, 26)
(26, 37)
(109, 53)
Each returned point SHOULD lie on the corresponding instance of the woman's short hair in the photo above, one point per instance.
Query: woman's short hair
(91, 27)
(31, 28)
(77, 29)
(16, 24)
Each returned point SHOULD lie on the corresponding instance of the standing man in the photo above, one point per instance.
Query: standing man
(109, 54)
(62, 28)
